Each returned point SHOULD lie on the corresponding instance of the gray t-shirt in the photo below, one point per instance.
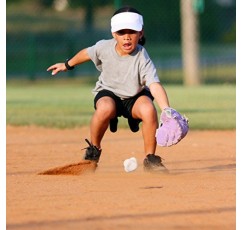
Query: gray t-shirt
(125, 76)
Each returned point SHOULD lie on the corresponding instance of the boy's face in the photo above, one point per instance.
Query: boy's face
(127, 40)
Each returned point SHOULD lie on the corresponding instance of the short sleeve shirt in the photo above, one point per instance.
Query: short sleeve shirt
(125, 76)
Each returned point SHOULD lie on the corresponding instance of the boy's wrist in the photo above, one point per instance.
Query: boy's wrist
(68, 67)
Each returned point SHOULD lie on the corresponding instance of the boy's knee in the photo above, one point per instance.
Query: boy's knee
(148, 110)
(106, 111)
(149, 114)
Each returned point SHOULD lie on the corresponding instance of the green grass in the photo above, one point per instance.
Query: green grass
(68, 104)
(207, 107)
(209, 75)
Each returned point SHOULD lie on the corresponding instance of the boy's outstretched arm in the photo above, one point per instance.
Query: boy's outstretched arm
(173, 127)
(81, 57)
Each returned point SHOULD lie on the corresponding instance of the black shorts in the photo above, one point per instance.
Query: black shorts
(123, 107)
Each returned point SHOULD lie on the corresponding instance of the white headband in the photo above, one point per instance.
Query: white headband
(126, 20)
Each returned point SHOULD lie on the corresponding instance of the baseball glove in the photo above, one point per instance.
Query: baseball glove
(173, 127)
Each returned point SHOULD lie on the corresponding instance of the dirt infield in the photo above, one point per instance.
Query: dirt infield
(199, 192)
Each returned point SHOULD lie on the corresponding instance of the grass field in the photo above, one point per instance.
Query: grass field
(67, 104)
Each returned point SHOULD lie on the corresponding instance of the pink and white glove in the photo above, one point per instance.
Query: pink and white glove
(173, 127)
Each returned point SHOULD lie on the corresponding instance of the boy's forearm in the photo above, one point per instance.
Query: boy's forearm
(160, 95)
(81, 57)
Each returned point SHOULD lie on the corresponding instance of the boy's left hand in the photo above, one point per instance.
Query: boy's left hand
(172, 129)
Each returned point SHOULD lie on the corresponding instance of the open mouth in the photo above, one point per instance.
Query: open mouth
(127, 46)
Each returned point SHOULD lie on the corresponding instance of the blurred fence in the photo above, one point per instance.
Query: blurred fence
(38, 37)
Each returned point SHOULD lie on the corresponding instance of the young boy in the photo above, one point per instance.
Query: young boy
(127, 85)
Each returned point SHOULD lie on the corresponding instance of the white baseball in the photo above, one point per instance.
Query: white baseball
(130, 164)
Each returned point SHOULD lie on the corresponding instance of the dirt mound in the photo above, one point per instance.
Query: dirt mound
(72, 169)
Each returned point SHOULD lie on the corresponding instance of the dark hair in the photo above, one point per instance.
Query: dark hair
(142, 40)
(127, 9)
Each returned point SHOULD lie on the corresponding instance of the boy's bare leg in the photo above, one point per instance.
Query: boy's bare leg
(105, 110)
(145, 110)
